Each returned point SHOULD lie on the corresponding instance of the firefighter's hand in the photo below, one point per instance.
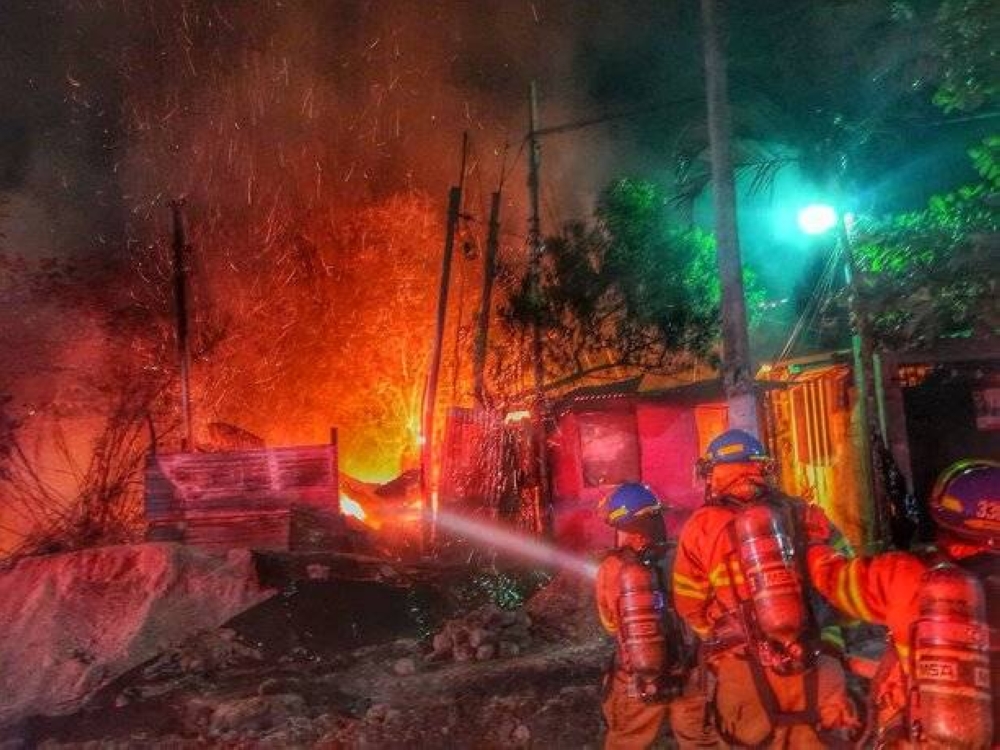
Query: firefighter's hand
(818, 528)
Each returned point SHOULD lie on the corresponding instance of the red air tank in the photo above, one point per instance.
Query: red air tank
(951, 662)
(767, 559)
(640, 608)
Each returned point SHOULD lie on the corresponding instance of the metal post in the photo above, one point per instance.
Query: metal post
(737, 378)
(430, 390)
(544, 510)
(180, 249)
(862, 352)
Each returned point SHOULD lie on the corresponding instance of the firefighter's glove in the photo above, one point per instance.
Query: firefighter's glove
(818, 528)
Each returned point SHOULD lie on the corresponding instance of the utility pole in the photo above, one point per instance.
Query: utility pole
(863, 354)
(427, 486)
(486, 300)
(539, 412)
(180, 248)
(737, 378)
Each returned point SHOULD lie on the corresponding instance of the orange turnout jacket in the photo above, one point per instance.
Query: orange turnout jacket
(882, 590)
(705, 574)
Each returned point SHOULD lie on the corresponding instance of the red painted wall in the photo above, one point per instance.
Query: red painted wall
(668, 435)
(577, 525)
(671, 437)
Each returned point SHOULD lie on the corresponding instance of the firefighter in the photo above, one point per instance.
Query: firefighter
(648, 678)
(939, 683)
(739, 583)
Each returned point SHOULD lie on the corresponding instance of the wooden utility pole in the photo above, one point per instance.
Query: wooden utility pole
(486, 301)
(544, 510)
(181, 249)
(737, 377)
(430, 389)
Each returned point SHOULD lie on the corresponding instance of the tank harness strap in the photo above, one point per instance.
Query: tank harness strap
(779, 718)
(884, 735)
(810, 714)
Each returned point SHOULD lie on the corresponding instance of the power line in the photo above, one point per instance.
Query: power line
(591, 121)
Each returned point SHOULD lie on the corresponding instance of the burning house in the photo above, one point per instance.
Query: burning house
(599, 436)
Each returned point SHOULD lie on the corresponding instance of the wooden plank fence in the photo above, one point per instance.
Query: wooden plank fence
(262, 498)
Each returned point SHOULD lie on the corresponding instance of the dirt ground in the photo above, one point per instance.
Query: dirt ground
(385, 659)
(355, 664)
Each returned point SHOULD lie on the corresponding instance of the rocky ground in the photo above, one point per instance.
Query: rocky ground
(342, 664)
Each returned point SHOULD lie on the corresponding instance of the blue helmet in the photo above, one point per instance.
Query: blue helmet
(966, 501)
(628, 503)
(735, 447)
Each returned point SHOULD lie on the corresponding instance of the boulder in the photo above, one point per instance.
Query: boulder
(405, 666)
(72, 622)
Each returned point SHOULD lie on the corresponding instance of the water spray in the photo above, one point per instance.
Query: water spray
(524, 546)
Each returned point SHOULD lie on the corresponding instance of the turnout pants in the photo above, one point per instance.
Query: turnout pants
(635, 725)
(743, 719)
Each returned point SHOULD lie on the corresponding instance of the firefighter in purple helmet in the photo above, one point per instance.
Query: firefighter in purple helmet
(926, 600)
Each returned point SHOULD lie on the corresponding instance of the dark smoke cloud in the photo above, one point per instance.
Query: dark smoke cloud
(408, 74)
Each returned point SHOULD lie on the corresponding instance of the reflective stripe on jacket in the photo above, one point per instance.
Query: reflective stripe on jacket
(883, 590)
(703, 575)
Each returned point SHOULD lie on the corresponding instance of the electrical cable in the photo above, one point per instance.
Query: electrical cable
(820, 290)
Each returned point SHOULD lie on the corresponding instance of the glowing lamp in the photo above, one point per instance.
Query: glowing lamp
(817, 218)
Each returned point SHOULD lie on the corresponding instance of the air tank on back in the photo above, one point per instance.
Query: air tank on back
(951, 663)
(767, 559)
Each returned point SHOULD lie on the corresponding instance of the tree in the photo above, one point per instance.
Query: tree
(625, 293)
(969, 76)
(935, 273)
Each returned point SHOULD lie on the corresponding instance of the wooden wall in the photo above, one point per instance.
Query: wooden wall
(240, 498)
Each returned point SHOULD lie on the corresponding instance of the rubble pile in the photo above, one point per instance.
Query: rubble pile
(483, 634)
(277, 720)
(566, 718)
(488, 677)
(565, 609)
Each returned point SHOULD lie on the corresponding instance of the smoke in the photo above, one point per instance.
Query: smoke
(314, 142)
(111, 106)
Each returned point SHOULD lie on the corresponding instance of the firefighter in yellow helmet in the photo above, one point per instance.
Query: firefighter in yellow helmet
(939, 683)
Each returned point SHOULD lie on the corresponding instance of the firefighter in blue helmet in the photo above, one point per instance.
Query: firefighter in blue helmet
(654, 652)
(738, 584)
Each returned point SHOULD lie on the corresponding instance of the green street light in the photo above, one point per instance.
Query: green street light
(817, 218)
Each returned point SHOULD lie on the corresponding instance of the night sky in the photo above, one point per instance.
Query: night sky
(97, 96)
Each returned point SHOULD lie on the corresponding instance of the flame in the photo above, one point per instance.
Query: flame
(351, 507)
